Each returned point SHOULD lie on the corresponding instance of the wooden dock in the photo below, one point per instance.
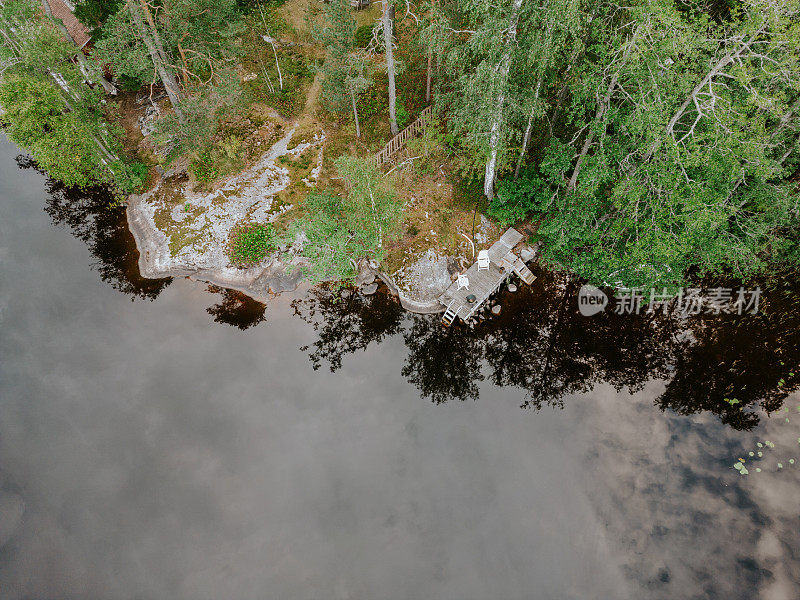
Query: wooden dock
(482, 284)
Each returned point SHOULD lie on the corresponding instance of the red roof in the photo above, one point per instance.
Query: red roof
(61, 10)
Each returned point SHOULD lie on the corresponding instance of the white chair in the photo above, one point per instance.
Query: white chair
(463, 282)
(483, 260)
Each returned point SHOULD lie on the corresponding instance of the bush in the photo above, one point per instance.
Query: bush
(251, 244)
(515, 199)
(363, 36)
(290, 100)
(403, 118)
(130, 177)
(373, 101)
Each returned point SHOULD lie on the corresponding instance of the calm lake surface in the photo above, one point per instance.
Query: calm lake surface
(161, 440)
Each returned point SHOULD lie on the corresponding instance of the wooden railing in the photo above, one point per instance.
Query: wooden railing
(401, 138)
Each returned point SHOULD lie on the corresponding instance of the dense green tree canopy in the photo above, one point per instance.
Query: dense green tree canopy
(665, 140)
(50, 109)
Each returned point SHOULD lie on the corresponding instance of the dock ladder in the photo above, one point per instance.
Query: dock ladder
(450, 314)
(523, 271)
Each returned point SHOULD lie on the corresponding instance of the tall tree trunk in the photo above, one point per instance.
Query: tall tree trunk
(428, 74)
(92, 70)
(527, 137)
(355, 111)
(387, 40)
(152, 41)
(497, 123)
(428, 78)
(599, 116)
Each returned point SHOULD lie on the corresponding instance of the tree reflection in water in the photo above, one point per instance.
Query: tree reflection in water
(90, 217)
(346, 321)
(541, 344)
(236, 309)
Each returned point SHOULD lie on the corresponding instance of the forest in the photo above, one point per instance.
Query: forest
(643, 144)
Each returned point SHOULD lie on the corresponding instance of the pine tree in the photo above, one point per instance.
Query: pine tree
(345, 70)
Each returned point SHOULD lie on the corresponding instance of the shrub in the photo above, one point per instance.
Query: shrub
(373, 101)
(251, 244)
(403, 118)
(130, 177)
(363, 36)
(515, 199)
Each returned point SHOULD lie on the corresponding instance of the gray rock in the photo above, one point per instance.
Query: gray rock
(147, 122)
(369, 289)
(496, 309)
(527, 253)
(512, 287)
(366, 274)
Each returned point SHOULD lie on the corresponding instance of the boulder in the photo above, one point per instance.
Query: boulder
(366, 274)
(369, 289)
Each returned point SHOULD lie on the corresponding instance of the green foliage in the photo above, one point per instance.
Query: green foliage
(363, 36)
(339, 231)
(50, 111)
(130, 177)
(93, 13)
(515, 199)
(374, 101)
(429, 146)
(199, 36)
(403, 118)
(251, 244)
(204, 167)
(346, 70)
(649, 162)
(671, 185)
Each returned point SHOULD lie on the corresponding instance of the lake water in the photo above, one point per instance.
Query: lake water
(164, 440)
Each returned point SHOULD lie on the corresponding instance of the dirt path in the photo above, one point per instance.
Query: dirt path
(312, 96)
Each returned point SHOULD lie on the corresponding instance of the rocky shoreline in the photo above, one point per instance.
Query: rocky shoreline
(181, 232)
(275, 275)
(260, 282)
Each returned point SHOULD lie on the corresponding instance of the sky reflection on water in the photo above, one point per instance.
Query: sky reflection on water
(148, 452)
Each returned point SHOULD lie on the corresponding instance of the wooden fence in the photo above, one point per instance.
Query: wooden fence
(401, 138)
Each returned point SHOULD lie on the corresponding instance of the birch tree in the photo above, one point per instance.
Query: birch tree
(480, 48)
(558, 23)
(342, 229)
(49, 109)
(89, 68)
